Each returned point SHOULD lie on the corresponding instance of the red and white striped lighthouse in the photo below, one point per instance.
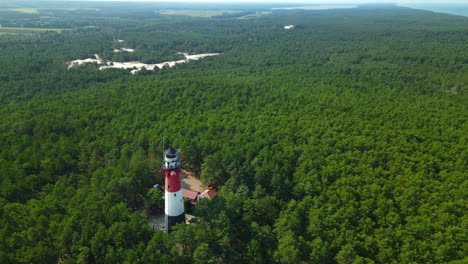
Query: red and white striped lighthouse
(174, 203)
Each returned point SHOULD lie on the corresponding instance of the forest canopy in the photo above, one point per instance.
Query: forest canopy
(341, 140)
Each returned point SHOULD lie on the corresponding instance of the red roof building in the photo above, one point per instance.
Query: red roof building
(195, 196)
(208, 193)
(189, 194)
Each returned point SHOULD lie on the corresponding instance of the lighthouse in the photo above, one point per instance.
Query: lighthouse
(174, 203)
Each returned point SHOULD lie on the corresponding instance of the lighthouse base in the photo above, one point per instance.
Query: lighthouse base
(173, 220)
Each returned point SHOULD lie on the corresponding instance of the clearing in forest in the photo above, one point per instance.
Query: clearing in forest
(199, 13)
(14, 30)
(190, 181)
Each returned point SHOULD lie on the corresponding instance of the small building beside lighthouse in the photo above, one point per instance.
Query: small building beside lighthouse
(174, 203)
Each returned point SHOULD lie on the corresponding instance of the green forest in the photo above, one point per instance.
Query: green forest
(342, 140)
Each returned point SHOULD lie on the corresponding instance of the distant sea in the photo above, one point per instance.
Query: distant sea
(455, 9)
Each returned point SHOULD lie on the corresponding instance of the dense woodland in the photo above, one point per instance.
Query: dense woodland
(343, 140)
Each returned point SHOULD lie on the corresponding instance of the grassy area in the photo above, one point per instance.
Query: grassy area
(10, 30)
(199, 13)
(37, 10)
(22, 10)
(258, 14)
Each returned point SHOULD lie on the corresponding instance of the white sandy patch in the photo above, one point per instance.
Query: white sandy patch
(124, 49)
(289, 27)
(198, 56)
(136, 65)
(89, 60)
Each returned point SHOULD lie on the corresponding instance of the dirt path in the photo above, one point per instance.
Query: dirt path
(190, 181)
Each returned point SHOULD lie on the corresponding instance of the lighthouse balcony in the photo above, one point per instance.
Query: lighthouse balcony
(171, 165)
(173, 159)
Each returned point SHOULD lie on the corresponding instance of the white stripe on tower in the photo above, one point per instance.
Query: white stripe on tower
(174, 203)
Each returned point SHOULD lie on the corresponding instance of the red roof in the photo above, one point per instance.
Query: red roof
(196, 196)
(208, 193)
(187, 193)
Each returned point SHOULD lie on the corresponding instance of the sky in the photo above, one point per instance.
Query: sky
(310, 1)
